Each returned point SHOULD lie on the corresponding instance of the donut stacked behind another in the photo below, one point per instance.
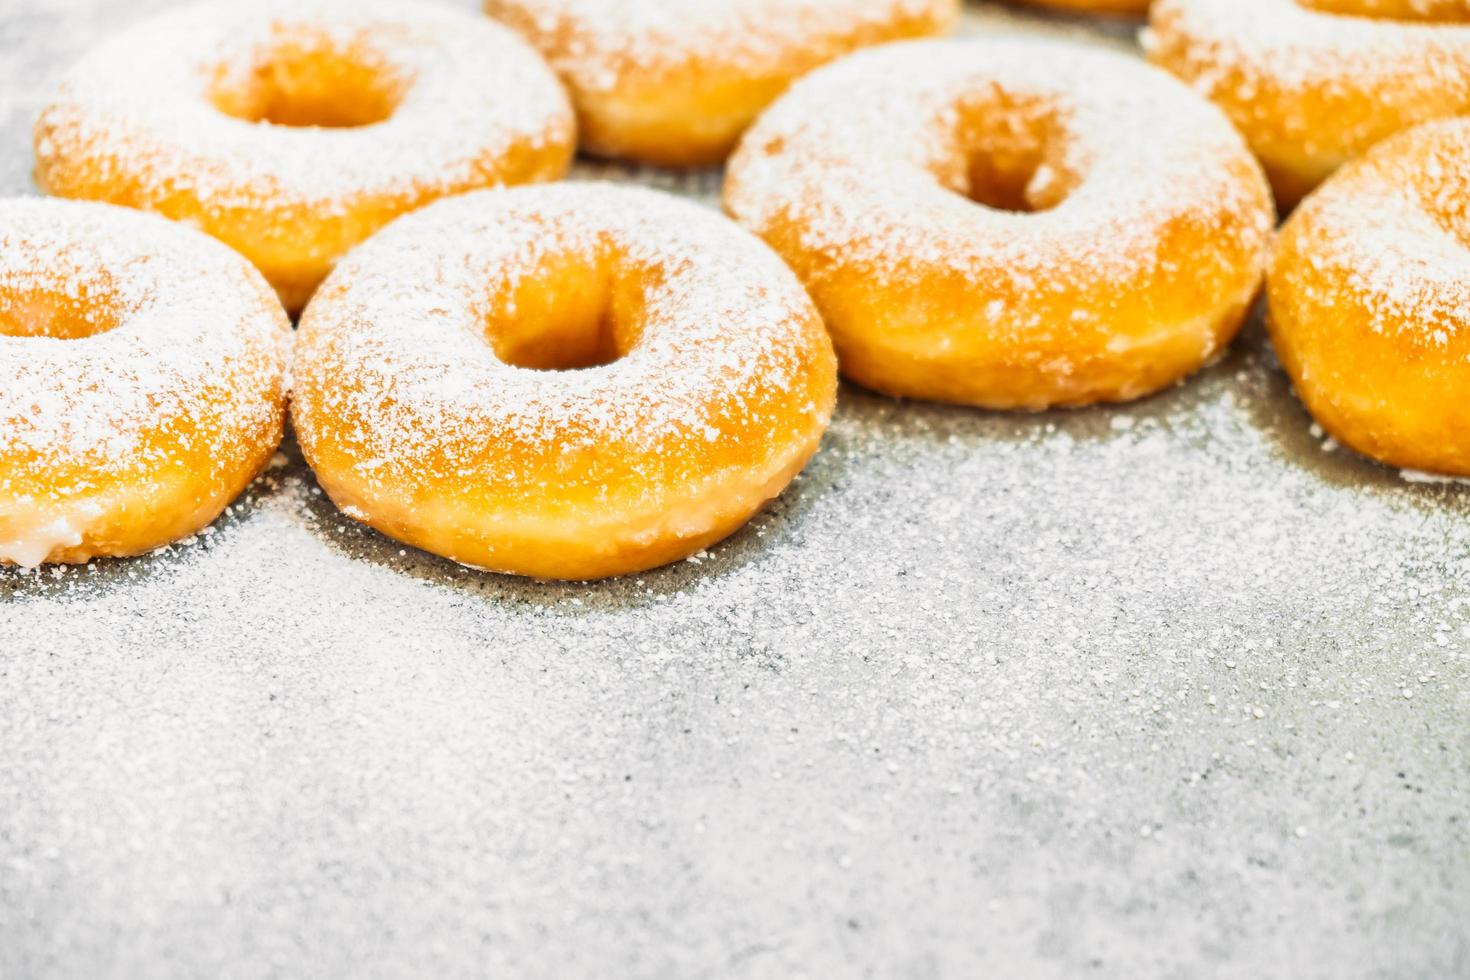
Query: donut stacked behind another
(1312, 85)
(293, 129)
(675, 82)
(1130, 7)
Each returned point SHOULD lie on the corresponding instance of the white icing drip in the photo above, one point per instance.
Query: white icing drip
(33, 545)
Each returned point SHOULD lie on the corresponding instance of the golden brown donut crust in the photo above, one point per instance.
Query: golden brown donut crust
(1134, 8)
(890, 182)
(294, 129)
(675, 82)
(570, 382)
(1369, 298)
(142, 380)
(1313, 85)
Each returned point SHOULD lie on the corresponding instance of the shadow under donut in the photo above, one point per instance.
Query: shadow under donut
(103, 574)
(778, 523)
(1289, 428)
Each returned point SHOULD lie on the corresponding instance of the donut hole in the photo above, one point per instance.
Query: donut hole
(999, 182)
(1004, 158)
(309, 82)
(574, 314)
(60, 313)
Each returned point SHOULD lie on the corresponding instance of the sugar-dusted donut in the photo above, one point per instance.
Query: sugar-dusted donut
(142, 380)
(567, 382)
(1369, 300)
(1439, 11)
(293, 129)
(890, 182)
(1131, 7)
(1313, 84)
(674, 82)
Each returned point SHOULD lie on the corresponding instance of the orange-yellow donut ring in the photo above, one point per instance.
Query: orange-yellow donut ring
(694, 380)
(1436, 11)
(1369, 295)
(1129, 7)
(142, 380)
(1312, 85)
(675, 82)
(1147, 247)
(293, 129)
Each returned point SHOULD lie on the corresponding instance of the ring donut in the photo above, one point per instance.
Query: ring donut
(675, 82)
(142, 380)
(293, 129)
(891, 181)
(1436, 11)
(1311, 85)
(1369, 301)
(1129, 7)
(567, 382)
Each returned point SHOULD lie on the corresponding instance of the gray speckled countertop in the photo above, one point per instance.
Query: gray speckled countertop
(1171, 690)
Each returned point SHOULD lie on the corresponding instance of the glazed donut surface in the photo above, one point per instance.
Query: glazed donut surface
(142, 380)
(1369, 297)
(293, 129)
(571, 381)
(891, 181)
(675, 82)
(1311, 85)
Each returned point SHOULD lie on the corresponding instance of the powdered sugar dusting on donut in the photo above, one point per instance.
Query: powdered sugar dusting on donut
(856, 158)
(1300, 46)
(1306, 83)
(192, 321)
(396, 338)
(138, 104)
(1394, 226)
(598, 42)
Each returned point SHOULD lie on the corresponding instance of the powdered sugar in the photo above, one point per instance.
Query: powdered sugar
(139, 102)
(869, 158)
(1300, 47)
(596, 44)
(937, 693)
(400, 103)
(405, 319)
(1393, 226)
(185, 339)
(188, 315)
(1310, 88)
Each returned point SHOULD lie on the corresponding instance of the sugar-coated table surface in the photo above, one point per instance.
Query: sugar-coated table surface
(1168, 690)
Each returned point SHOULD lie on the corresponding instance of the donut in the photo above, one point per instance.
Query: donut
(1130, 7)
(1312, 85)
(1441, 11)
(1369, 301)
(293, 129)
(142, 380)
(675, 82)
(1008, 224)
(567, 382)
